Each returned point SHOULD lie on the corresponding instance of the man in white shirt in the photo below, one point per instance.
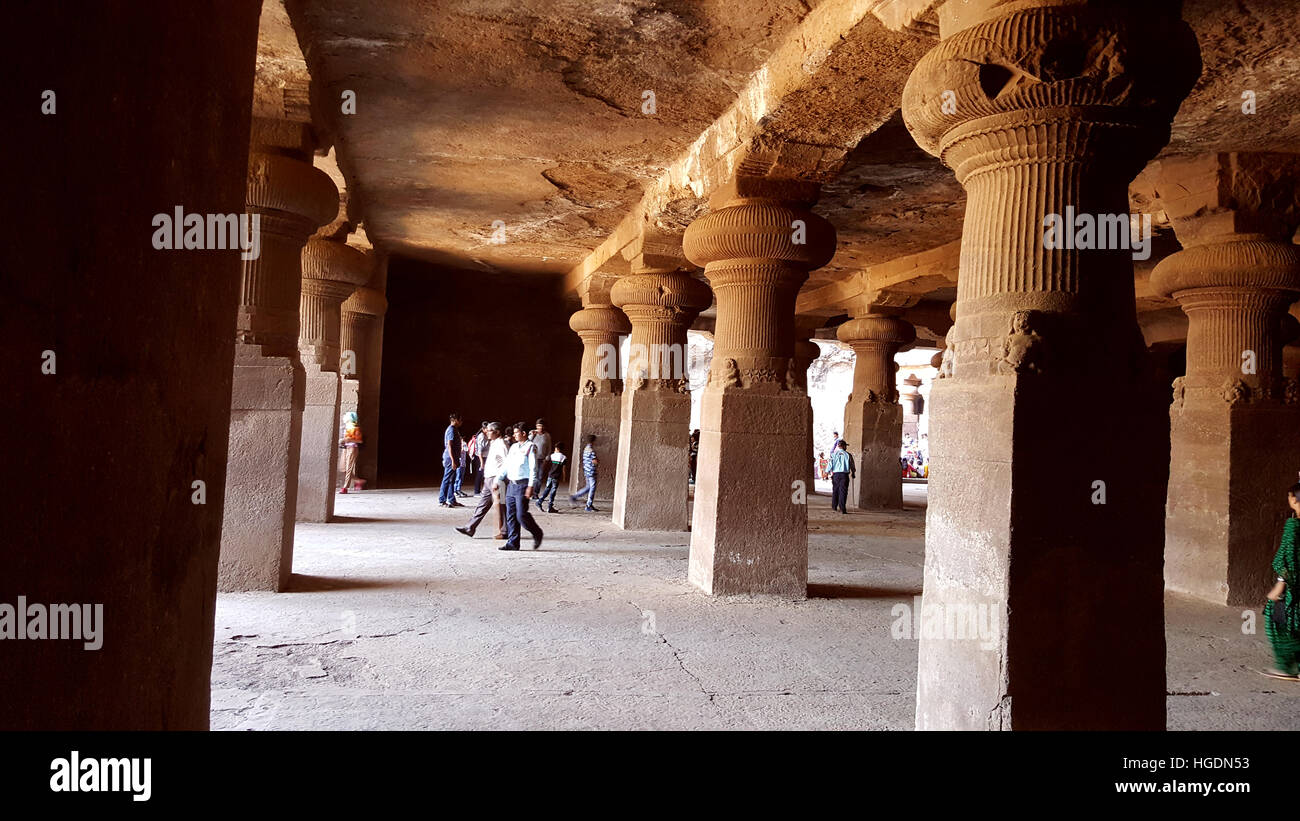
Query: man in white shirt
(520, 475)
(489, 496)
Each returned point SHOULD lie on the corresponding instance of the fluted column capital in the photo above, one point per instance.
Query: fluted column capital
(370, 301)
(331, 271)
(600, 322)
(678, 295)
(279, 183)
(757, 247)
(873, 332)
(600, 326)
(1235, 294)
(729, 241)
(1039, 68)
(288, 199)
(332, 261)
(1245, 264)
(660, 305)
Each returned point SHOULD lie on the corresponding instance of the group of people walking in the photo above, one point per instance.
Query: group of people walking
(512, 466)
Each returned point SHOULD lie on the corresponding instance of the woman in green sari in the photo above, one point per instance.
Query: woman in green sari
(1281, 619)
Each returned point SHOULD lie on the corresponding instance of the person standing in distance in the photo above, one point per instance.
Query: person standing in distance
(450, 462)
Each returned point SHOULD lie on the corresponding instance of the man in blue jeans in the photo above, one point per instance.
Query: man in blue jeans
(450, 463)
(842, 468)
(589, 463)
(520, 474)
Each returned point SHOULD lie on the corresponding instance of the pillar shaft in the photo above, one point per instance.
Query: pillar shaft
(653, 471)
(805, 353)
(360, 347)
(290, 198)
(1232, 442)
(749, 531)
(598, 405)
(1048, 372)
(873, 417)
(331, 271)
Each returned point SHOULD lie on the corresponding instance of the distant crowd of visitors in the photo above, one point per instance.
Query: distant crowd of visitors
(508, 478)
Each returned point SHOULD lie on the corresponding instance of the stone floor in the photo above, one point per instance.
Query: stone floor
(395, 621)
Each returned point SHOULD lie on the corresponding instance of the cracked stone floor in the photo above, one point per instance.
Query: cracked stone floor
(395, 621)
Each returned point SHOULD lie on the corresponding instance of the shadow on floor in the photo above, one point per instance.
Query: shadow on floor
(852, 591)
(352, 520)
(298, 583)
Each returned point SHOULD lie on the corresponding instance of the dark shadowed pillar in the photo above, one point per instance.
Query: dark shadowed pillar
(110, 430)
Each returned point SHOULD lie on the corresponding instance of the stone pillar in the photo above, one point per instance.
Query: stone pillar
(361, 335)
(118, 356)
(1045, 515)
(805, 353)
(290, 198)
(598, 406)
(873, 418)
(331, 271)
(1233, 421)
(652, 477)
(910, 398)
(749, 531)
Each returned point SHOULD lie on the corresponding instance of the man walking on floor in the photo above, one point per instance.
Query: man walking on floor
(520, 473)
(589, 464)
(489, 496)
(450, 463)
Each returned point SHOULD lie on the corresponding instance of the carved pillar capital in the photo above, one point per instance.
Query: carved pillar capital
(1027, 83)
(1236, 295)
(369, 301)
(1046, 111)
(756, 253)
(331, 272)
(599, 327)
(289, 199)
(660, 305)
(875, 340)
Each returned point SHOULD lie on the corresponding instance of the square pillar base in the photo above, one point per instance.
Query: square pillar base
(877, 428)
(653, 473)
(601, 415)
(1229, 471)
(261, 473)
(750, 528)
(320, 446)
(1043, 603)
